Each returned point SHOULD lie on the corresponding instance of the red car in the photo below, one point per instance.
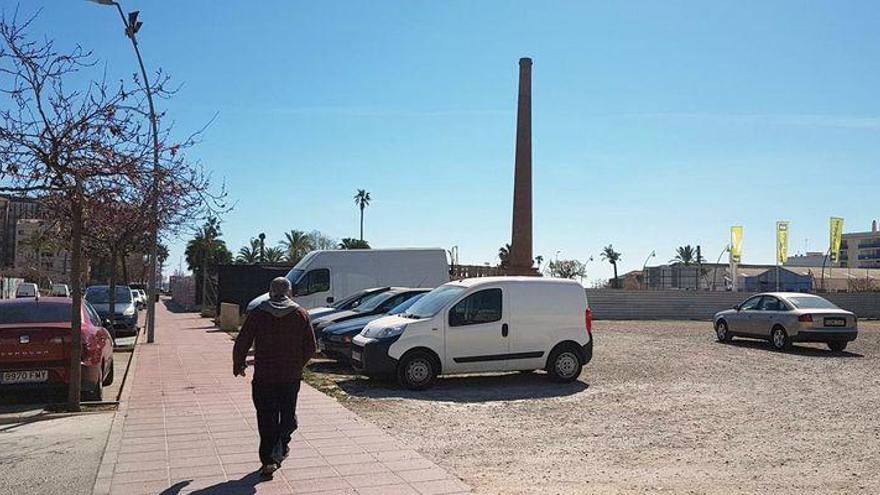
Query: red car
(35, 346)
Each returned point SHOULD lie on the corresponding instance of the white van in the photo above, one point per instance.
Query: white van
(27, 289)
(482, 325)
(60, 290)
(323, 277)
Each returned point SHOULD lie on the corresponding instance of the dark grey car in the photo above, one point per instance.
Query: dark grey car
(786, 317)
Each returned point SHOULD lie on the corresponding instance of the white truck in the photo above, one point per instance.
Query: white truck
(322, 277)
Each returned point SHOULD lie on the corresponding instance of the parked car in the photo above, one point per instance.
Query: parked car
(323, 277)
(335, 340)
(348, 303)
(139, 301)
(60, 290)
(27, 289)
(783, 318)
(35, 340)
(125, 314)
(482, 325)
(378, 304)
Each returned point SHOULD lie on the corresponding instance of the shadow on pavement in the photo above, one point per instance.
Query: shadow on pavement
(173, 307)
(243, 486)
(796, 349)
(469, 388)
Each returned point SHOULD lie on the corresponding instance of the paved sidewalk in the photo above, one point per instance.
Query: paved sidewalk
(186, 425)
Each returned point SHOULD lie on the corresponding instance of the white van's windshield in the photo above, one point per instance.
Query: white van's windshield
(294, 276)
(434, 301)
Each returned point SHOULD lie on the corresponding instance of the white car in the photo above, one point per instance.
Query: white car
(482, 325)
(60, 290)
(27, 289)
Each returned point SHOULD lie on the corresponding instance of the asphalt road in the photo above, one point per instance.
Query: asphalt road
(56, 456)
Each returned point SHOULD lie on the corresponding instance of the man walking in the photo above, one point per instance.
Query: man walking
(284, 342)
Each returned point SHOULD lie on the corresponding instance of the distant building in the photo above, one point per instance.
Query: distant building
(814, 259)
(861, 249)
(37, 254)
(11, 211)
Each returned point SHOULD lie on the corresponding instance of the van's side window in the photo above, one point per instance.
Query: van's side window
(314, 281)
(480, 307)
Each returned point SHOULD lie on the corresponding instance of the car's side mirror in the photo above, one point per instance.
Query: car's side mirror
(736, 307)
(330, 299)
(106, 322)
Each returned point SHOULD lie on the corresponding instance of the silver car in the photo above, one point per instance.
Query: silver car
(784, 317)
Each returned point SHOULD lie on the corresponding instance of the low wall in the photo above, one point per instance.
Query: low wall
(608, 304)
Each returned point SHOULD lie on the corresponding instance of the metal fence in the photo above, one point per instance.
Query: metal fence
(609, 304)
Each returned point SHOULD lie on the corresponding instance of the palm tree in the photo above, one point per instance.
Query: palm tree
(296, 244)
(249, 255)
(686, 255)
(504, 255)
(611, 256)
(362, 200)
(349, 243)
(275, 255)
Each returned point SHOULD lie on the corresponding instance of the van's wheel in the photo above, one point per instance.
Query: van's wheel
(722, 332)
(564, 365)
(109, 379)
(779, 339)
(416, 371)
(837, 346)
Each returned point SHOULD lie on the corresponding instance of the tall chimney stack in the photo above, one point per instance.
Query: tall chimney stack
(874, 226)
(521, 238)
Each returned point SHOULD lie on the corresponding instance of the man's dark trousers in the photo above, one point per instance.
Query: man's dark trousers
(276, 418)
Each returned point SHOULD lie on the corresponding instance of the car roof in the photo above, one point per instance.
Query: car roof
(471, 282)
(788, 294)
(35, 300)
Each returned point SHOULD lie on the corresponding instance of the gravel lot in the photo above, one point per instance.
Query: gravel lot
(662, 408)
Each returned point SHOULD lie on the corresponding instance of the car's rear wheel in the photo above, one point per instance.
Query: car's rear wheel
(779, 339)
(837, 346)
(564, 365)
(722, 332)
(416, 371)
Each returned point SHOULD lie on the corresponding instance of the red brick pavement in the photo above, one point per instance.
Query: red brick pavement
(185, 424)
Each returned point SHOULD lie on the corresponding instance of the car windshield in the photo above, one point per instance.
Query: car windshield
(351, 300)
(811, 302)
(405, 305)
(373, 302)
(101, 294)
(434, 301)
(294, 276)
(36, 312)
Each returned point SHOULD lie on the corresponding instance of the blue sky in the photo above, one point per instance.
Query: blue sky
(656, 124)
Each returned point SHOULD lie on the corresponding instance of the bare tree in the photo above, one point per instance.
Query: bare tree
(81, 150)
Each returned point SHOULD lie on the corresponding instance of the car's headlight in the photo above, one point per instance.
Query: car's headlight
(129, 311)
(384, 333)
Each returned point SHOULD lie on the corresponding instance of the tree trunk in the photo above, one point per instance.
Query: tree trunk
(123, 261)
(616, 283)
(114, 257)
(74, 386)
(362, 223)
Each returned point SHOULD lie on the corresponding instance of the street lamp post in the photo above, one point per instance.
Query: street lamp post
(132, 25)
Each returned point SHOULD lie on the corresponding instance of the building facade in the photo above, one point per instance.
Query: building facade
(861, 249)
(37, 254)
(11, 211)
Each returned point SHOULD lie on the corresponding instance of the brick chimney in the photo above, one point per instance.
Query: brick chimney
(521, 237)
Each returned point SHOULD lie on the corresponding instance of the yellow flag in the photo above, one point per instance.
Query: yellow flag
(836, 238)
(782, 242)
(736, 243)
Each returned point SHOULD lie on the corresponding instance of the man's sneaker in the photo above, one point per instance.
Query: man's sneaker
(268, 470)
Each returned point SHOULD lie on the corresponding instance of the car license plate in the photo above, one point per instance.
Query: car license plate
(24, 376)
(356, 355)
(835, 322)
